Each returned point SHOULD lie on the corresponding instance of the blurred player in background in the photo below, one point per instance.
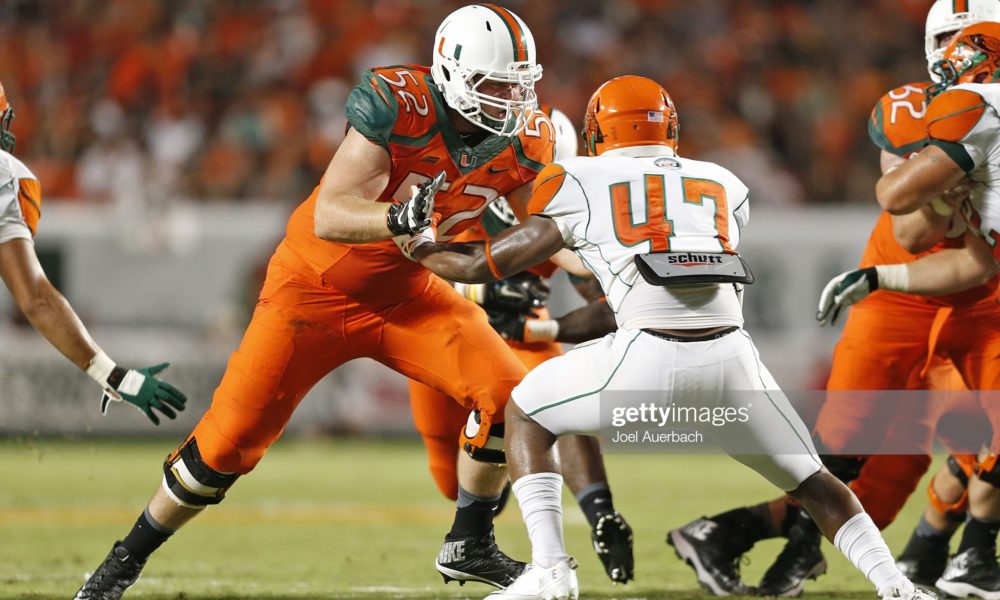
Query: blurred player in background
(423, 144)
(42, 304)
(963, 131)
(515, 307)
(675, 336)
(891, 341)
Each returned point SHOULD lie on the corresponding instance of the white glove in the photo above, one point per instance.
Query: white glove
(844, 290)
(407, 244)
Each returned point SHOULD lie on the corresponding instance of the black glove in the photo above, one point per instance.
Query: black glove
(519, 294)
(414, 215)
(510, 325)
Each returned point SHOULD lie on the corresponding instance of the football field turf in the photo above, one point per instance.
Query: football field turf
(342, 519)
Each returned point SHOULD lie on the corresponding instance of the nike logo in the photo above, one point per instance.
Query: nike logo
(495, 171)
(429, 159)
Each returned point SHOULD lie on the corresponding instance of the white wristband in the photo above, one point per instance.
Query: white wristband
(541, 330)
(100, 368)
(473, 291)
(894, 278)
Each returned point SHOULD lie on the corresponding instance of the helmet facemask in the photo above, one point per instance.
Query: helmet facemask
(973, 60)
(7, 138)
(494, 113)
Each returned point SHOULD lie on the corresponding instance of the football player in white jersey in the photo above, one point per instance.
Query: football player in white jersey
(632, 210)
(963, 134)
(42, 304)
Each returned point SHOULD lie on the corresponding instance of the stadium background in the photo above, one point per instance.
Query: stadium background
(173, 139)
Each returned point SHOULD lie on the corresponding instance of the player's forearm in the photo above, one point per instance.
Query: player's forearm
(52, 316)
(945, 272)
(921, 229)
(898, 198)
(458, 262)
(586, 323)
(351, 219)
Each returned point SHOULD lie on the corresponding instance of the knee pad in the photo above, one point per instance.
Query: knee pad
(192, 483)
(988, 469)
(490, 450)
(954, 511)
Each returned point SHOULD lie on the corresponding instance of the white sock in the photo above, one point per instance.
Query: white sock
(860, 540)
(540, 497)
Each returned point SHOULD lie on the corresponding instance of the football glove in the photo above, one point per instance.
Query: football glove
(415, 214)
(510, 325)
(142, 389)
(519, 294)
(844, 290)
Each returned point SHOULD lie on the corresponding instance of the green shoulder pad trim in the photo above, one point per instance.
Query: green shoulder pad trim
(371, 109)
(957, 153)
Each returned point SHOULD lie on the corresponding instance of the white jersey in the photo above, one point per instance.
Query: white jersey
(20, 200)
(964, 121)
(645, 199)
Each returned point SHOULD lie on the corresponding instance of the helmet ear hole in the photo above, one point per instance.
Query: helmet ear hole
(446, 73)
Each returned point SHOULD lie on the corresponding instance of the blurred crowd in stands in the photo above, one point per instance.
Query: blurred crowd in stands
(243, 99)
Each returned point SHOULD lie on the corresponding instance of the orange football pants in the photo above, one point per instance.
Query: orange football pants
(302, 330)
(439, 419)
(885, 346)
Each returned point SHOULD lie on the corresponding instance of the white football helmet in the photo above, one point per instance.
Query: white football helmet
(948, 16)
(567, 138)
(487, 43)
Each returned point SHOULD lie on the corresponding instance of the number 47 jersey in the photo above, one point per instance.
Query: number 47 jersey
(638, 200)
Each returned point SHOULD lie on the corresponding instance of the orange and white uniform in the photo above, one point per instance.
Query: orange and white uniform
(325, 303)
(895, 341)
(20, 200)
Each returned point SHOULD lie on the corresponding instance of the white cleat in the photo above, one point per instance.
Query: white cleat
(907, 592)
(536, 583)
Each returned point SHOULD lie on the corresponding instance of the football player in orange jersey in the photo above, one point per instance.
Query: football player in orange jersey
(884, 346)
(465, 131)
(516, 309)
(42, 304)
(962, 126)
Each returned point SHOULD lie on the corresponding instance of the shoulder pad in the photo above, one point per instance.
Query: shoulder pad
(391, 101)
(535, 146)
(897, 121)
(953, 114)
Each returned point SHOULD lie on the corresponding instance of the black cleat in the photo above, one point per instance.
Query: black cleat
(115, 575)
(701, 543)
(974, 572)
(612, 538)
(477, 559)
(924, 559)
(800, 559)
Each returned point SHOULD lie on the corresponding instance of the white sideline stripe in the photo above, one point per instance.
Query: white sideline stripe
(190, 482)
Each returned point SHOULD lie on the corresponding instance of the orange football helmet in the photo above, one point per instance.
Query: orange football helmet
(6, 116)
(972, 57)
(629, 111)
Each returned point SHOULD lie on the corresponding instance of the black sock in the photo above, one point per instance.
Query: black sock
(791, 514)
(980, 534)
(146, 536)
(745, 527)
(595, 499)
(473, 515)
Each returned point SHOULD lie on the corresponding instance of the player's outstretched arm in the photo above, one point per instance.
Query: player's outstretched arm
(49, 313)
(346, 207)
(513, 250)
(916, 182)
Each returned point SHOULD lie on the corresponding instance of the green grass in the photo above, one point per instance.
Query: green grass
(341, 519)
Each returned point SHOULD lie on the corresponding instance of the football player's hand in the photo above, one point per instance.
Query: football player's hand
(409, 243)
(414, 215)
(142, 389)
(510, 325)
(520, 293)
(844, 290)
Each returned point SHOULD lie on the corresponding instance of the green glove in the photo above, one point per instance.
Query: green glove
(141, 388)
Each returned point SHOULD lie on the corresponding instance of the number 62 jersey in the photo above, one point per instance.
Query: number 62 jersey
(630, 201)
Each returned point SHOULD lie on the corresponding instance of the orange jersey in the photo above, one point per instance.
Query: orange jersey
(401, 109)
(898, 125)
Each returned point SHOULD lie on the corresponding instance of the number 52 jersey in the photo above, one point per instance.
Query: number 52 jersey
(638, 200)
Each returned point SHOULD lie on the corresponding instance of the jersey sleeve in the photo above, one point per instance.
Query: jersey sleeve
(960, 122)
(897, 123)
(558, 195)
(535, 146)
(372, 109)
(20, 202)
